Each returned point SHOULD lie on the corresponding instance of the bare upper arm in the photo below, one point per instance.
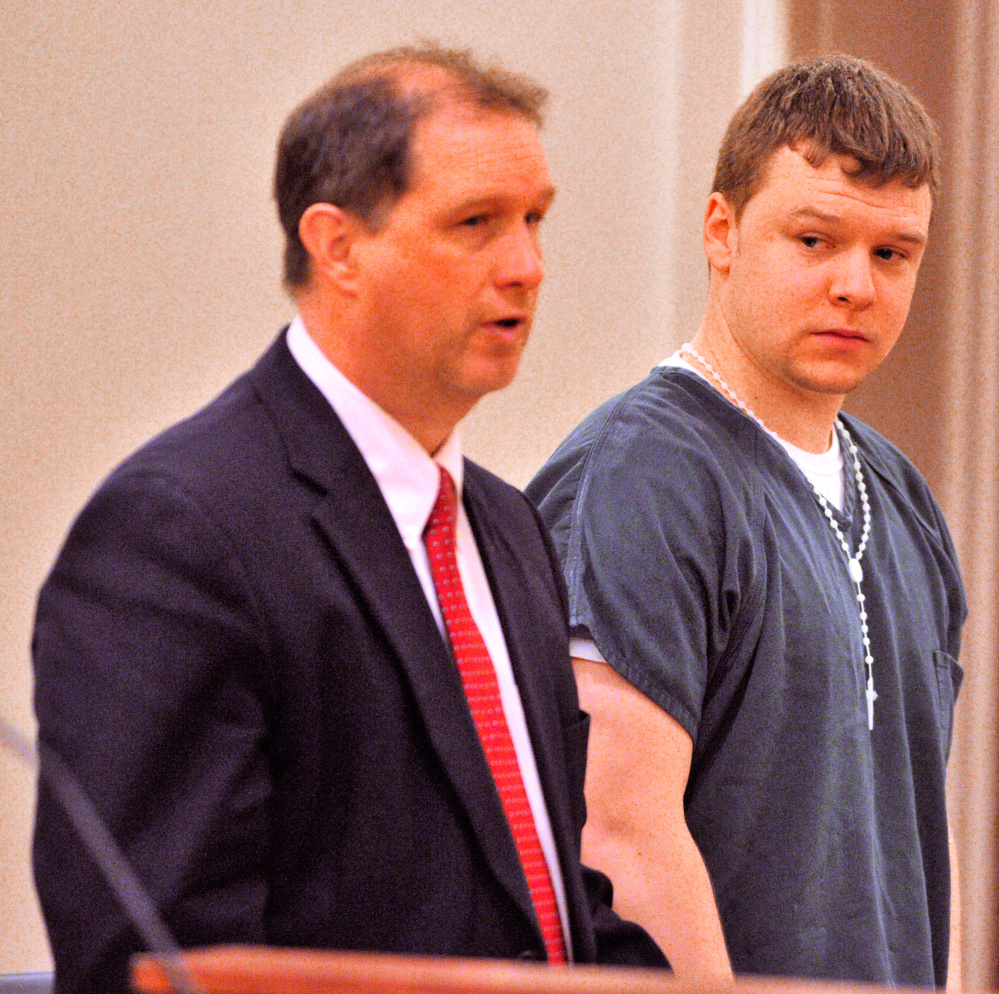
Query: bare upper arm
(639, 756)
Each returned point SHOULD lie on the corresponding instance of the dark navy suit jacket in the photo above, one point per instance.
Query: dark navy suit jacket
(235, 656)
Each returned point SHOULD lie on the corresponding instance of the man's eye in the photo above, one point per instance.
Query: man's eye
(810, 241)
(888, 254)
(475, 221)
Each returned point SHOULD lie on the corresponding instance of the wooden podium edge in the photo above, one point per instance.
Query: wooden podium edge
(265, 970)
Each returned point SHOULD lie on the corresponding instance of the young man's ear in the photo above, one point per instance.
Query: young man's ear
(328, 233)
(721, 232)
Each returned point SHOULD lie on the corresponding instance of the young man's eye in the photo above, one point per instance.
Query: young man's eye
(474, 221)
(810, 241)
(888, 254)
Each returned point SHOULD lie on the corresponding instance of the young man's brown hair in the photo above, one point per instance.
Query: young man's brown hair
(348, 144)
(833, 105)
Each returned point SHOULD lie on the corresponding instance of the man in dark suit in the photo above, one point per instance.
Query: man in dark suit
(301, 726)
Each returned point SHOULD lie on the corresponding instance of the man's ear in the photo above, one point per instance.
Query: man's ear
(328, 233)
(721, 232)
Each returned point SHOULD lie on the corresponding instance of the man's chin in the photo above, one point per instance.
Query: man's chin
(491, 373)
(834, 379)
(487, 385)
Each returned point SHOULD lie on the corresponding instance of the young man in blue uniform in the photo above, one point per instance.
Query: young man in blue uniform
(765, 600)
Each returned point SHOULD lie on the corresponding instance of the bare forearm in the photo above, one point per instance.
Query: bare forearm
(637, 833)
(669, 894)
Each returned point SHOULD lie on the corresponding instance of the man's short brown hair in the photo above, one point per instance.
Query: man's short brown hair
(833, 105)
(349, 143)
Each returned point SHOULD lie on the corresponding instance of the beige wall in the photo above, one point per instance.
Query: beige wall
(141, 257)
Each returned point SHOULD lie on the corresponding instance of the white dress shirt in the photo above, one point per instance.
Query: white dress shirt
(408, 479)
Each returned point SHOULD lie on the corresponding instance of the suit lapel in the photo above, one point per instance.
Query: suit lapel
(356, 523)
(511, 589)
(359, 527)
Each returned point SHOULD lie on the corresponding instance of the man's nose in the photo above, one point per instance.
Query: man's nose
(853, 278)
(520, 262)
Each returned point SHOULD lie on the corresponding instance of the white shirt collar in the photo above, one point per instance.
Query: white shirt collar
(407, 477)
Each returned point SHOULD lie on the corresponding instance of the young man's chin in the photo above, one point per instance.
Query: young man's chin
(839, 374)
(833, 383)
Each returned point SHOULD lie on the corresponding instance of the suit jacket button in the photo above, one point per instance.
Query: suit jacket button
(528, 954)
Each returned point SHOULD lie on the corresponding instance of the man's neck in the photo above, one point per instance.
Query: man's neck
(802, 417)
(430, 422)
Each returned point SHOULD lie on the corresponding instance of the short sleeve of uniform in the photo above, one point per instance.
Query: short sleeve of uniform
(653, 526)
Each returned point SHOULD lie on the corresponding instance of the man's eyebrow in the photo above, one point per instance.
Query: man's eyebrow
(813, 214)
(544, 200)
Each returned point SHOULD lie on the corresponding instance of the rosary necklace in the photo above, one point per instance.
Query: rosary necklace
(852, 560)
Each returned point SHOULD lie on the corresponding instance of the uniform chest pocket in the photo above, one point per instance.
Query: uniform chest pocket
(949, 676)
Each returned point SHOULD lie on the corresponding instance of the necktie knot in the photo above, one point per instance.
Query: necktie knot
(441, 523)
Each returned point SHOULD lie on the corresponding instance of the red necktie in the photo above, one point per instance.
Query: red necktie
(482, 690)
